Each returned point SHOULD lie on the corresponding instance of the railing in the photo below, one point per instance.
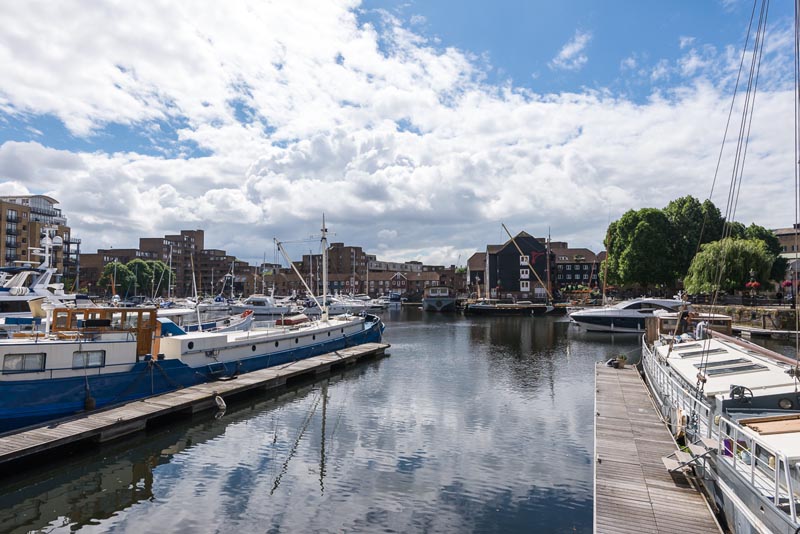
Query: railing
(763, 468)
(11, 244)
(674, 397)
(12, 231)
(12, 218)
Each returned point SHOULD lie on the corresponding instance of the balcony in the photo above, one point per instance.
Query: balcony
(12, 218)
(12, 231)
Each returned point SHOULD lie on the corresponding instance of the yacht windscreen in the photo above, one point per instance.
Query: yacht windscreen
(735, 369)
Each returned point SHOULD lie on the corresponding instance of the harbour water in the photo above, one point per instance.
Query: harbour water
(473, 424)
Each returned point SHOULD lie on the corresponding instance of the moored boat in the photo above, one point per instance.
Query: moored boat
(736, 408)
(625, 317)
(497, 307)
(439, 298)
(95, 357)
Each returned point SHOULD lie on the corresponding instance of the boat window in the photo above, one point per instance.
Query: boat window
(23, 363)
(88, 358)
(735, 369)
(723, 362)
(693, 353)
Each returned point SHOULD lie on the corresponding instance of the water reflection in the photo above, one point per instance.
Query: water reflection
(473, 424)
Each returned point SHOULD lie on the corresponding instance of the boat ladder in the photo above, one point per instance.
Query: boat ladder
(684, 461)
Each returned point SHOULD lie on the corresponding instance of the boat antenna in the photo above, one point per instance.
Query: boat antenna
(796, 186)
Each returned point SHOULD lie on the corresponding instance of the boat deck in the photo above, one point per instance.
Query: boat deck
(108, 424)
(633, 490)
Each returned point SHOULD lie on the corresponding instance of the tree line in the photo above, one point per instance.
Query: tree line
(684, 241)
(149, 277)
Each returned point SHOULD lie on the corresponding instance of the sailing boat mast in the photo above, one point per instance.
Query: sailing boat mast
(324, 243)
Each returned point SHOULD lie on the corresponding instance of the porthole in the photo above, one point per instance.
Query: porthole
(297, 340)
(785, 404)
(329, 334)
(276, 343)
(253, 348)
(342, 330)
(313, 337)
(190, 345)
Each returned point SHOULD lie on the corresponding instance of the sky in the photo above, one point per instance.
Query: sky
(416, 127)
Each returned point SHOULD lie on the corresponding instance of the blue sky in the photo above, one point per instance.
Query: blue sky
(417, 127)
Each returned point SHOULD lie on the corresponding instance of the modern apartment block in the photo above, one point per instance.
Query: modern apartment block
(23, 220)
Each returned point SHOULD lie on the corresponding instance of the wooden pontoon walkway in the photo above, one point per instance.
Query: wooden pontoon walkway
(104, 425)
(634, 492)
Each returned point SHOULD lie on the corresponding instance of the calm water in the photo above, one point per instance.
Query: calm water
(472, 425)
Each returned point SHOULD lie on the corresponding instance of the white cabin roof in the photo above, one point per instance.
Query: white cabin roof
(727, 364)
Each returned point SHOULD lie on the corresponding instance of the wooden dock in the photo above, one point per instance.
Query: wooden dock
(751, 331)
(108, 424)
(633, 491)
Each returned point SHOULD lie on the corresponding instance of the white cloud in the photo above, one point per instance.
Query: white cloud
(571, 56)
(685, 41)
(629, 63)
(403, 146)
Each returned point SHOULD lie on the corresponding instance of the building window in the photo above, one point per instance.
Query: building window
(23, 363)
(523, 260)
(88, 358)
(585, 267)
(569, 277)
(524, 285)
(569, 267)
(524, 273)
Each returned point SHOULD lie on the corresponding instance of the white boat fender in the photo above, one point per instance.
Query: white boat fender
(220, 402)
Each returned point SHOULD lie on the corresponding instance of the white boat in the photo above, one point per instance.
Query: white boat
(736, 407)
(263, 306)
(336, 306)
(625, 317)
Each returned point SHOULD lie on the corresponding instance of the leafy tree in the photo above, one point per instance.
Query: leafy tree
(640, 249)
(779, 264)
(736, 258)
(117, 277)
(143, 275)
(693, 224)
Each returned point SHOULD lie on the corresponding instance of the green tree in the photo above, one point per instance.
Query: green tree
(779, 263)
(693, 224)
(143, 275)
(116, 277)
(736, 258)
(640, 249)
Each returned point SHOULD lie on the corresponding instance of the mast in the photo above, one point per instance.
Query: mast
(549, 295)
(549, 287)
(169, 277)
(324, 243)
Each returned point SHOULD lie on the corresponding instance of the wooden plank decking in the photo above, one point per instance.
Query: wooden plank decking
(634, 492)
(109, 424)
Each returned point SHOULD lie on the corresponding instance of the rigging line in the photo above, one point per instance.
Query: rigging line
(760, 47)
(746, 139)
(728, 121)
(746, 112)
(796, 184)
(738, 169)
